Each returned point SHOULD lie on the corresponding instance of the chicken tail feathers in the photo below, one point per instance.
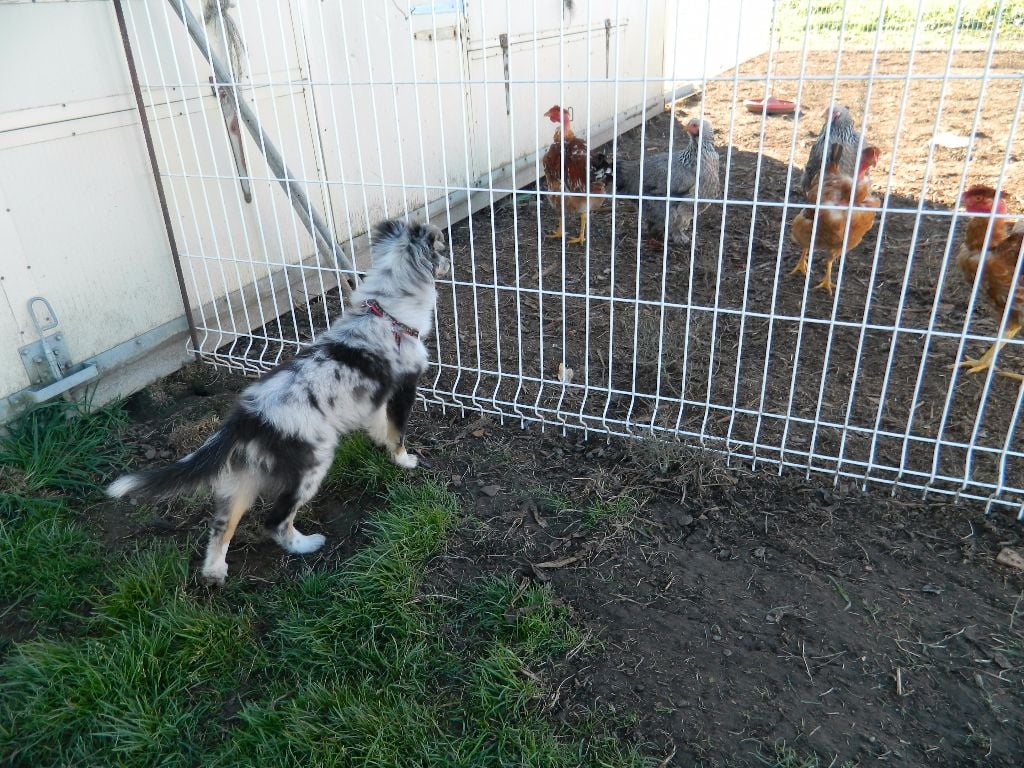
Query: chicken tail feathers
(601, 169)
(626, 177)
(835, 158)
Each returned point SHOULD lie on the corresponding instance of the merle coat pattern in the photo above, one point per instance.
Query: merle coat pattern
(279, 440)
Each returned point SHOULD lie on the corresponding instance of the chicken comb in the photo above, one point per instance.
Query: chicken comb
(981, 190)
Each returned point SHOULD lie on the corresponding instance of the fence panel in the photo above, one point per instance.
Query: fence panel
(651, 325)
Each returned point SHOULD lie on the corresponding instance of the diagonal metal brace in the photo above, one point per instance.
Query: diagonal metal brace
(309, 216)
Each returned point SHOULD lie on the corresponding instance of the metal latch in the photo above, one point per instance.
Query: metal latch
(503, 42)
(47, 361)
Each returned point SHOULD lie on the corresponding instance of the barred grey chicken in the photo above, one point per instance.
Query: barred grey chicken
(844, 134)
(683, 184)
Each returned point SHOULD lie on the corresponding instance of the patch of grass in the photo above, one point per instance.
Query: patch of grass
(592, 513)
(61, 446)
(527, 616)
(146, 692)
(781, 755)
(361, 466)
(894, 25)
(49, 566)
(610, 511)
(348, 664)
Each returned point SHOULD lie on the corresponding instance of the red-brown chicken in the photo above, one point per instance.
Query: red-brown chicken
(836, 189)
(998, 265)
(583, 171)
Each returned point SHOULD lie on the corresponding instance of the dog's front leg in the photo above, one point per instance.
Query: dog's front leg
(390, 421)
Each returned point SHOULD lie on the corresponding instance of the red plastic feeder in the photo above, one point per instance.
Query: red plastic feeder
(771, 106)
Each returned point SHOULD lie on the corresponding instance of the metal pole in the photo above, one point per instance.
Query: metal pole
(141, 106)
(309, 216)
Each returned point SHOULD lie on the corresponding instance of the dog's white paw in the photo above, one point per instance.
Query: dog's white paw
(216, 574)
(405, 459)
(301, 544)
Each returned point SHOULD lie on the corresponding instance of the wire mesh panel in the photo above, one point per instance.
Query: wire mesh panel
(653, 314)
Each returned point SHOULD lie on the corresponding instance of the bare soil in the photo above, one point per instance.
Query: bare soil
(728, 610)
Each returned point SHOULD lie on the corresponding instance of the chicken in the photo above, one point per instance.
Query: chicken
(836, 190)
(998, 265)
(583, 171)
(842, 133)
(700, 142)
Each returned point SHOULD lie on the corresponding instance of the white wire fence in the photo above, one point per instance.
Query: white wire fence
(436, 110)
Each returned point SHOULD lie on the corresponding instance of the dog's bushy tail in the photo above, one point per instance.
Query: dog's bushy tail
(186, 474)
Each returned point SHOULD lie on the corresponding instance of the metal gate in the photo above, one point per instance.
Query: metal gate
(436, 110)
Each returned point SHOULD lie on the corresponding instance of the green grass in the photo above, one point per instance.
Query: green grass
(594, 512)
(610, 511)
(894, 26)
(362, 467)
(48, 565)
(781, 755)
(352, 663)
(61, 447)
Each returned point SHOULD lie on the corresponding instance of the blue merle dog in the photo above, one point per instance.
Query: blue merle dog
(280, 438)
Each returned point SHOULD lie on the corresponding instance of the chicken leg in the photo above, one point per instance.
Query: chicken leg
(557, 233)
(801, 265)
(826, 282)
(583, 231)
(985, 361)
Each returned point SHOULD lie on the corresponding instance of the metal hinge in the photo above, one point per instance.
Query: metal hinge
(47, 361)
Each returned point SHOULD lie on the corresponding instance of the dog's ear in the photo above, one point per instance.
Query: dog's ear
(422, 244)
(388, 232)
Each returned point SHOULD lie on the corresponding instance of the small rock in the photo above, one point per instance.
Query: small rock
(490, 490)
(685, 519)
(150, 453)
(165, 454)
(456, 480)
(1011, 558)
(716, 638)
(726, 652)
(759, 553)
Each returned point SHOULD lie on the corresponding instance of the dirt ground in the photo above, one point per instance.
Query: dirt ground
(728, 610)
(724, 323)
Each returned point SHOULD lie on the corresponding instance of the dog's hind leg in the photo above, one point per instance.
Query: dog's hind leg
(280, 523)
(389, 423)
(232, 502)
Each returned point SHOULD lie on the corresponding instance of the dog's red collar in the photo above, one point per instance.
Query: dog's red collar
(399, 328)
